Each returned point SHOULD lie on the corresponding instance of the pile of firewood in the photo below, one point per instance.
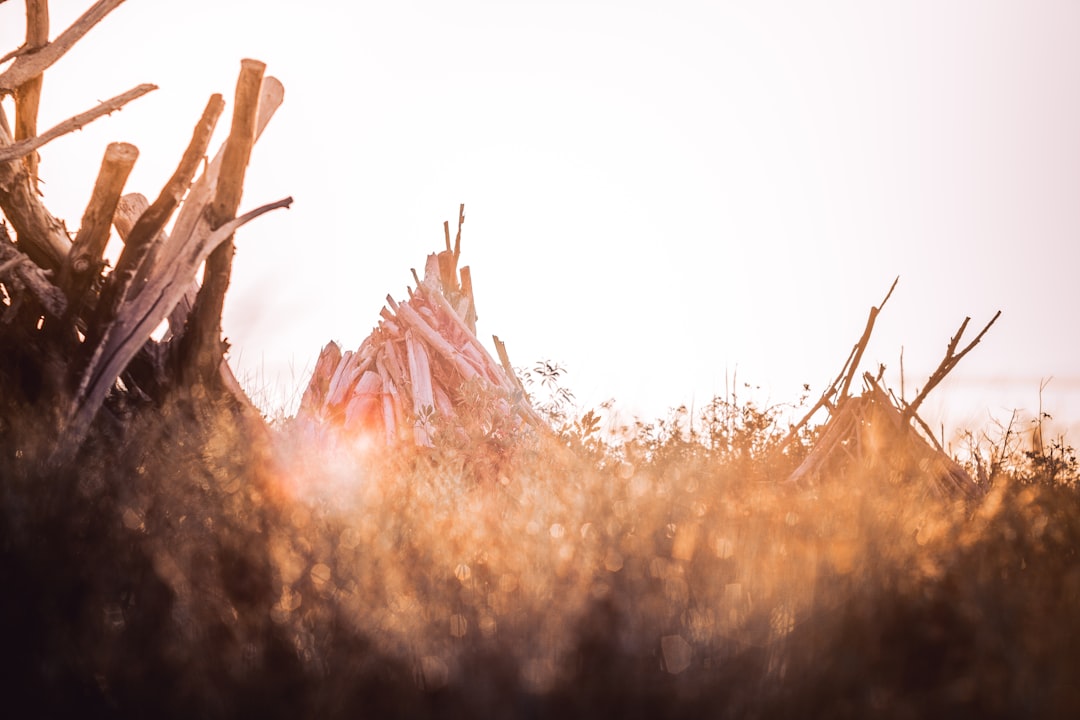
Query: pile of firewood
(409, 376)
(76, 332)
(878, 431)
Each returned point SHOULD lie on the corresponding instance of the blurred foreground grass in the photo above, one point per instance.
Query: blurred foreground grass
(191, 569)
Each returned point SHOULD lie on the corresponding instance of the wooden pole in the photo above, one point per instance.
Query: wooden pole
(28, 94)
(148, 228)
(202, 348)
(84, 260)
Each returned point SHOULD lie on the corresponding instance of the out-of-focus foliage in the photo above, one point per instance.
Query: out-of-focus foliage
(190, 567)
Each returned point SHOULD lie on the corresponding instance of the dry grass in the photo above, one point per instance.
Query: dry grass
(190, 572)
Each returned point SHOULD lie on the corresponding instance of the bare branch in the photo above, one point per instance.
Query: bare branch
(128, 333)
(32, 64)
(201, 347)
(948, 363)
(193, 212)
(146, 230)
(28, 94)
(860, 347)
(851, 366)
(30, 144)
(14, 263)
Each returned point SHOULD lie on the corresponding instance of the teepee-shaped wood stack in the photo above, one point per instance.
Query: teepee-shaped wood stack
(877, 431)
(408, 376)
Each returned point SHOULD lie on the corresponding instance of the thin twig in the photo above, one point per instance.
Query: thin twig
(948, 363)
(860, 347)
(32, 64)
(29, 145)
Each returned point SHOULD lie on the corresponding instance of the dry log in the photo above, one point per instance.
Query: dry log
(416, 323)
(442, 402)
(504, 358)
(84, 259)
(40, 235)
(314, 397)
(365, 399)
(133, 325)
(28, 94)
(201, 347)
(16, 267)
(148, 230)
(393, 364)
(420, 380)
(496, 376)
(352, 366)
(467, 290)
(34, 62)
(448, 270)
(192, 212)
(391, 400)
(152, 221)
(432, 273)
(128, 211)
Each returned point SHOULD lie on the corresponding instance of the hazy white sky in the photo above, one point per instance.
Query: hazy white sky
(657, 194)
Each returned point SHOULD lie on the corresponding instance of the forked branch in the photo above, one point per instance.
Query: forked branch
(948, 363)
(847, 373)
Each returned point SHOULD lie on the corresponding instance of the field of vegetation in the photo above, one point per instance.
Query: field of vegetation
(490, 550)
(203, 569)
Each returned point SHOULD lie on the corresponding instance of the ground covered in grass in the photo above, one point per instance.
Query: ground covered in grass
(193, 565)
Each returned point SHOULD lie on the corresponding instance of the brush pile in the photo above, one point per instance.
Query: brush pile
(879, 432)
(78, 334)
(410, 377)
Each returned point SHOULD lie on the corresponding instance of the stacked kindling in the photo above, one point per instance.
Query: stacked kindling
(877, 430)
(869, 431)
(407, 377)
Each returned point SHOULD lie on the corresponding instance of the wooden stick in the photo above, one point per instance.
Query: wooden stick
(32, 64)
(847, 372)
(28, 94)
(417, 323)
(448, 270)
(133, 325)
(315, 395)
(151, 222)
(14, 263)
(467, 290)
(391, 400)
(504, 358)
(432, 274)
(191, 219)
(420, 380)
(147, 230)
(860, 346)
(201, 348)
(948, 363)
(439, 301)
(457, 240)
(128, 211)
(84, 260)
(42, 236)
